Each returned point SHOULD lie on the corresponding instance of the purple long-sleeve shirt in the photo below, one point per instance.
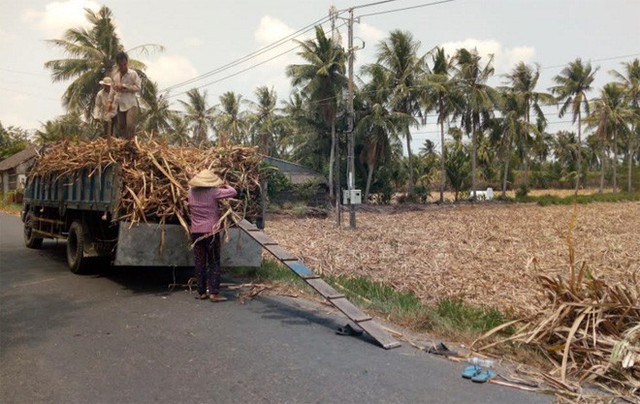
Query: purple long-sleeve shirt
(203, 207)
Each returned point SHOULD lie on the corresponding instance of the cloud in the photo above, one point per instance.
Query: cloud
(193, 42)
(59, 16)
(169, 70)
(6, 37)
(370, 34)
(271, 30)
(504, 58)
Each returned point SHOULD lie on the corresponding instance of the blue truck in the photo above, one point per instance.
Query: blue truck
(81, 208)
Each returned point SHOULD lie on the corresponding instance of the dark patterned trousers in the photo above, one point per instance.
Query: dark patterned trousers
(207, 262)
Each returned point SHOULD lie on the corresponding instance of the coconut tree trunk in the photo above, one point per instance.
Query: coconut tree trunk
(504, 179)
(473, 161)
(579, 154)
(442, 157)
(629, 169)
(615, 161)
(526, 152)
(369, 180)
(332, 159)
(602, 169)
(410, 185)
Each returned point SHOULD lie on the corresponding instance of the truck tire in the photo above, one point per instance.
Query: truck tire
(30, 240)
(75, 247)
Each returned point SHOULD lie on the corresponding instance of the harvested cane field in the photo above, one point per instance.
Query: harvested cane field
(568, 275)
(487, 254)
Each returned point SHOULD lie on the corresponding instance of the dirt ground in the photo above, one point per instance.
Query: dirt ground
(487, 254)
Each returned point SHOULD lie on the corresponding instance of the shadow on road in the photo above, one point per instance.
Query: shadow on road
(292, 316)
(28, 319)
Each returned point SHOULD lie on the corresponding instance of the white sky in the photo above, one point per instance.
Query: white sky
(202, 35)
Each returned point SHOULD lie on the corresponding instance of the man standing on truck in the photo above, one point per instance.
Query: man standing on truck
(104, 111)
(126, 85)
(206, 189)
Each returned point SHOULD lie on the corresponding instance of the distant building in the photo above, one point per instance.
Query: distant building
(300, 175)
(13, 169)
(296, 173)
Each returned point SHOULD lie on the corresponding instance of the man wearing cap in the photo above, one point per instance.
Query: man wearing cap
(126, 85)
(103, 110)
(206, 189)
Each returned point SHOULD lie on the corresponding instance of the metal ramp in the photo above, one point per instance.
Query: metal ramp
(334, 297)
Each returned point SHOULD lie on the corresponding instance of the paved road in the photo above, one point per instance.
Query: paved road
(118, 336)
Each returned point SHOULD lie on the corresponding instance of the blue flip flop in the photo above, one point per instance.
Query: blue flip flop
(483, 376)
(471, 371)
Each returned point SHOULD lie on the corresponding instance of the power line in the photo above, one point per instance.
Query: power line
(251, 55)
(23, 72)
(435, 3)
(594, 60)
(238, 72)
(377, 3)
(247, 68)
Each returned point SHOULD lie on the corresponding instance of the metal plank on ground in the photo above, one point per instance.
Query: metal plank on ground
(324, 289)
(376, 332)
(300, 269)
(350, 310)
(279, 252)
(246, 225)
(334, 297)
(261, 238)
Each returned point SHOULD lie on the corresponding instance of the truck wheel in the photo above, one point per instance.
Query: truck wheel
(75, 247)
(30, 240)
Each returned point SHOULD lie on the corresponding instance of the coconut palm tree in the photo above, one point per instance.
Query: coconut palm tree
(440, 92)
(321, 81)
(610, 115)
(179, 131)
(566, 150)
(630, 79)
(93, 53)
(522, 81)
(66, 127)
(507, 130)
(264, 119)
(200, 118)
(378, 125)
(457, 162)
(480, 99)
(398, 54)
(231, 122)
(156, 112)
(573, 83)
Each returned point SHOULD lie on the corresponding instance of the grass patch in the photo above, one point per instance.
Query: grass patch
(269, 271)
(10, 207)
(449, 317)
(8, 204)
(545, 200)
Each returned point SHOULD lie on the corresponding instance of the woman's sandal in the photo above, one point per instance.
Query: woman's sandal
(471, 371)
(483, 376)
(217, 298)
(201, 297)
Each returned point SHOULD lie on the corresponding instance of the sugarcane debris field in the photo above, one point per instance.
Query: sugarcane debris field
(567, 276)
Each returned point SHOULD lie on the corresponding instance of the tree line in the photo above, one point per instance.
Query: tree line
(489, 135)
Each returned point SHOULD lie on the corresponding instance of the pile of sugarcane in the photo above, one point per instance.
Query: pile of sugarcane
(589, 331)
(155, 175)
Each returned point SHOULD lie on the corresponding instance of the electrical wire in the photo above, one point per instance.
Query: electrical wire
(435, 3)
(251, 55)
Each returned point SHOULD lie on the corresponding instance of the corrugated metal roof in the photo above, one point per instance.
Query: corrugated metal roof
(18, 158)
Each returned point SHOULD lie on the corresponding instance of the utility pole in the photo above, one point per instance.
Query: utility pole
(351, 141)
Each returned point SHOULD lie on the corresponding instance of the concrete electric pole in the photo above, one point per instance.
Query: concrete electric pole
(350, 116)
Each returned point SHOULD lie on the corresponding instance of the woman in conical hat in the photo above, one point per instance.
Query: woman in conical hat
(206, 189)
